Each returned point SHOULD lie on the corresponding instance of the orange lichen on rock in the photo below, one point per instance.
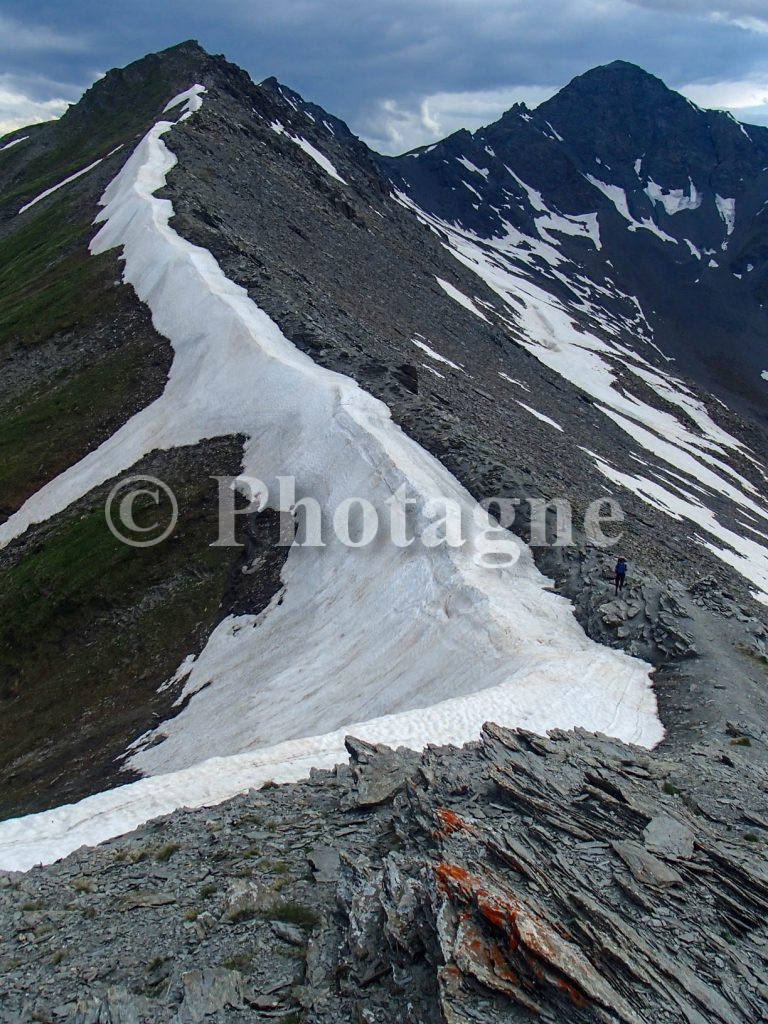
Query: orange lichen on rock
(451, 822)
(452, 877)
(549, 956)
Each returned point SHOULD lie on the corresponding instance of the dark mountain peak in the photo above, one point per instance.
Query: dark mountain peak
(313, 111)
(619, 112)
(515, 113)
(189, 46)
(142, 87)
(615, 91)
(620, 71)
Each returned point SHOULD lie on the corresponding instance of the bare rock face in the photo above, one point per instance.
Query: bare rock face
(569, 879)
(581, 885)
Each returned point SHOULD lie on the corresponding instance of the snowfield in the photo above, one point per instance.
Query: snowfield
(398, 645)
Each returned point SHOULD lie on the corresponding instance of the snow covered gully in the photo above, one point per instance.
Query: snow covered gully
(405, 646)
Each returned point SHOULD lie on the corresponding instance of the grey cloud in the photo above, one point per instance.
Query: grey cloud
(16, 36)
(378, 64)
(731, 8)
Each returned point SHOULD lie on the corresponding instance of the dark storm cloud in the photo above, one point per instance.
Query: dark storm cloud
(400, 71)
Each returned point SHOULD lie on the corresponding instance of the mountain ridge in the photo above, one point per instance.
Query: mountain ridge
(352, 277)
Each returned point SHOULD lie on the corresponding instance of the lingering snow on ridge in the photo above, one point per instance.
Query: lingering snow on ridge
(61, 184)
(357, 636)
(727, 210)
(511, 380)
(191, 98)
(764, 374)
(674, 200)
(50, 835)
(434, 355)
(461, 298)
(471, 167)
(13, 142)
(540, 416)
(310, 150)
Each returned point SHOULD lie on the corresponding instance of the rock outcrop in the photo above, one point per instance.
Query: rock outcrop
(567, 878)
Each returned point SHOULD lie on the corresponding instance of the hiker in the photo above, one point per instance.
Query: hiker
(621, 573)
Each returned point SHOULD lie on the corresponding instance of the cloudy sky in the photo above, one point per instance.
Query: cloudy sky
(400, 72)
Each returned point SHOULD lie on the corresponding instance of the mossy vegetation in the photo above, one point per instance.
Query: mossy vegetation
(76, 682)
(166, 851)
(51, 288)
(51, 425)
(239, 962)
(90, 628)
(98, 125)
(49, 282)
(291, 913)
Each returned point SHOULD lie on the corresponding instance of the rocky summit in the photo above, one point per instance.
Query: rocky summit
(248, 777)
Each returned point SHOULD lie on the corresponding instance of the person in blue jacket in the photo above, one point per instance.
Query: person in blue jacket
(621, 574)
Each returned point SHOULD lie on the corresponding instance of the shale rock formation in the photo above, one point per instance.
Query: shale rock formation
(563, 879)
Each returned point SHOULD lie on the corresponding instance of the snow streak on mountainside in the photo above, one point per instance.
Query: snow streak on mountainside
(494, 642)
(544, 325)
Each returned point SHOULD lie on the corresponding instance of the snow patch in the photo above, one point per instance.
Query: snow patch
(676, 199)
(584, 225)
(540, 416)
(534, 196)
(61, 184)
(543, 324)
(511, 380)
(618, 197)
(471, 189)
(311, 151)
(461, 298)
(434, 355)
(693, 249)
(727, 210)
(14, 142)
(471, 167)
(433, 371)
